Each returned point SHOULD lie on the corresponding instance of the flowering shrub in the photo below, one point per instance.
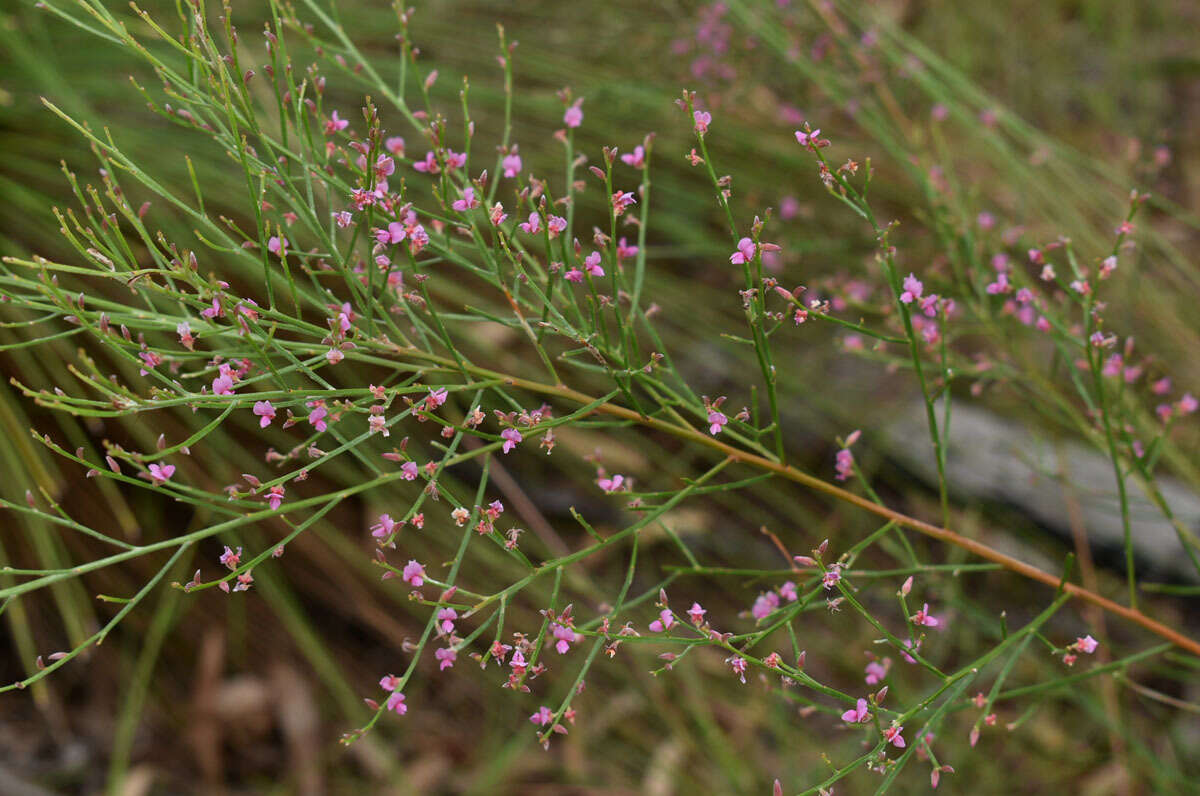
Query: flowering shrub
(399, 319)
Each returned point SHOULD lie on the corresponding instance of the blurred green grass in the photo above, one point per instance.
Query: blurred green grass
(1086, 76)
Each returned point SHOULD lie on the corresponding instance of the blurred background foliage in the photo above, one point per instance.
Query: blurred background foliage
(1055, 110)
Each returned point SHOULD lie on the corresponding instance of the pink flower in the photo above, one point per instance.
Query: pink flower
(764, 605)
(625, 250)
(745, 252)
(278, 246)
(664, 621)
(892, 735)
(611, 485)
(831, 576)
(396, 702)
(185, 334)
(738, 664)
(565, 637)
(543, 716)
(696, 614)
(511, 164)
(394, 233)
(592, 263)
(1188, 404)
(468, 202)
(414, 572)
(335, 124)
(716, 421)
(395, 145)
(511, 438)
(231, 559)
(445, 657)
(844, 464)
(1086, 644)
(445, 618)
(408, 471)
(875, 672)
(223, 383)
(427, 166)
(517, 663)
(383, 529)
(637, 158)
(556, 225)
(159, 474)
(912, 289)
(532, 225)
(436, 398)
(788, 592)
(859, 714)
(317, 416)
(702, 120)
(275, 497)
(574, 114)
(807, 139)
(622, 200)
(265, 412)
(922, 617)
(574, 275)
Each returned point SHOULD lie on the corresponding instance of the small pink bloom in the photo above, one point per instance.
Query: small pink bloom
(912, 289)
(592, 263)
(275, 497)
(383, 530)
(788, 592)
(696, 614)
(160, 473)
(831, 576)
(231, 559)
(859, 714)
(445, 618)
(565, 637)
(317, 416)
(556, 225)
(511, 164)
(1086, 644)
(702, 120)
(875, 672)
(395, 145)
(511, 438)
(414, 573)
(394, 233)
(574, 114)
(532, 225)
(807, 139)
(396, 702)
(844, 464)
(265, 412)
(764, 605)
(716, 421)
(445, 658)
(637, 158)
(408, 471)
(746, 250)
(611, 485)
(468, 202)
(922, 617)
(1188, 404)
(543, 716)
(738, 664)
(664, 621)
(427, 166)
(335, 124)
(892, 735)
(278, 246)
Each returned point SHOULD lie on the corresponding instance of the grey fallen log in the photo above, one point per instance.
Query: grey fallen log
(994, 459)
